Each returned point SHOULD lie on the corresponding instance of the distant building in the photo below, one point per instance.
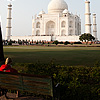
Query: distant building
(58, 24)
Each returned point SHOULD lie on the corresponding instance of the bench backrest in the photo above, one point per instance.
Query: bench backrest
(29, 83)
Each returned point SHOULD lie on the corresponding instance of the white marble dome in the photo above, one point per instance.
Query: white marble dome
(57, 6)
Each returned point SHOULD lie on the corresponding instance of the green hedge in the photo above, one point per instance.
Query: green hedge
(76, 83)
(81, 83)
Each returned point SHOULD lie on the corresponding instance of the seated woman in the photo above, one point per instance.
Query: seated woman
(7, 66)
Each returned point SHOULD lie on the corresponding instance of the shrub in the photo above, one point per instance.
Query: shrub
(9, 43)
(37, 42)
(48, 42)
(43, 43)
(40, 41)
(66, 43)
(77, 42)
(76, 83)
(56, 42)
(61, 42)
(97, 64)
(20, 42)
(71, 43)
(52, 42)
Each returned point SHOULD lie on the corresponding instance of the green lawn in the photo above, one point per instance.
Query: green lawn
(71, 56)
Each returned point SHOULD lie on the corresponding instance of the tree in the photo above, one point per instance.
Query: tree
(56, 42)
(10, 42)
(66, 42)
(86, 37)
(1, 46)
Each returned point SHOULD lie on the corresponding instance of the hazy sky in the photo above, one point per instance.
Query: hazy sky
(23, 10)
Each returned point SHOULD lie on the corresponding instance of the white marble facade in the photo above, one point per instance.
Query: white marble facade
(58, 24)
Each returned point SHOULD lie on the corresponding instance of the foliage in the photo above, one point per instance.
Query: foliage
(80, 82)
(32, 41)
(86, 37)
(78, 42)
(97, 64)
(71, 43)
(56, 42)
(66, 43)
(76, 83)
(48, 42)
(61, 42)
(40, 41)
(37, 42)
(43, 43)
(19, 42)
(9, 43)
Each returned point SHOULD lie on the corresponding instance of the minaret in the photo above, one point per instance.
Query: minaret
(94, 27)
(87, 17)
(8, 27)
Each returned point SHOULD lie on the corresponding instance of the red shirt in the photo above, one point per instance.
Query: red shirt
(7, 68)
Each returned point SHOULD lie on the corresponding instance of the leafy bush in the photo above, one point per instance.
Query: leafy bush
(48, 42)
(76, 83)
(37, 42)
(52, 42)
(66, 43)
(9, 43)
(71, 43)
(56, 42)
(97, 64)
(81, 82)
(43, 43)
(19, 42)
(77, 42)
(61, 42)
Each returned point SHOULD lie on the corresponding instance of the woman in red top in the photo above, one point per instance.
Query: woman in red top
(7, 66)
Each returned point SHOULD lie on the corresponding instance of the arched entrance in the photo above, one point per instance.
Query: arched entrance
(38, 33)
(50, 28)
(63, 32)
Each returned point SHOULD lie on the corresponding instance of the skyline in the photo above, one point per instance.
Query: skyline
(22, 12)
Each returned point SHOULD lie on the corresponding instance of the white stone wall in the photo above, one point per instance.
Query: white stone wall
(72, 26)
(68, 38)
(34, 38)
(62, 28)
(51, 17)
(46, 38)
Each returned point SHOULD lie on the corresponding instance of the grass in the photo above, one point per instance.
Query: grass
(71, 56)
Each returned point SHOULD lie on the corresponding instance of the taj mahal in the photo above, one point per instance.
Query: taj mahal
(58, 24)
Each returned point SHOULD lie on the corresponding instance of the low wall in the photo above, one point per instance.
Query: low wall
(68, 38)
(34, 38)
(47, 38)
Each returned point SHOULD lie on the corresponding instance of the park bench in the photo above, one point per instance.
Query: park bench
(27, 83)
